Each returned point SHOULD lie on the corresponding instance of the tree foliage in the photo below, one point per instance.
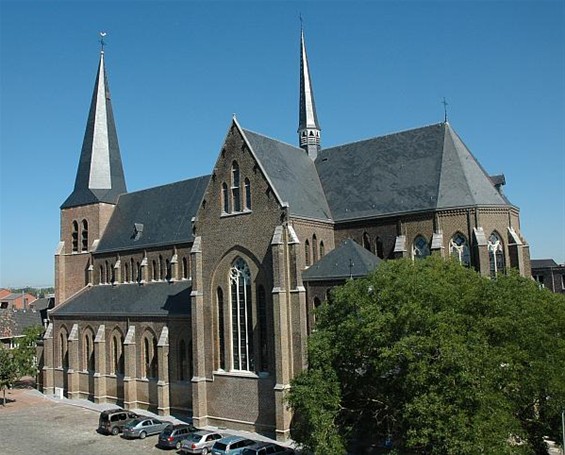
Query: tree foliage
(436, 358)
(20, 361)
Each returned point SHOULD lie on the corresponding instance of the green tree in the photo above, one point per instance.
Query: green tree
(436, 358)
(9, 372)
(25, 351)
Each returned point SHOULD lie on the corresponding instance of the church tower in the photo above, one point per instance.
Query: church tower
(308, 127)
(98, 184)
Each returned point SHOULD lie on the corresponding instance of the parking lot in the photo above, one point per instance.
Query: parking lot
(32, 423)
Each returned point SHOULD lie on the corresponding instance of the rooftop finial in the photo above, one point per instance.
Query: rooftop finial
(102, 43)
(445, 104)
(301, 23)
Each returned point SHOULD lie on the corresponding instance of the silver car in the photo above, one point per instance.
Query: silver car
(199, 442)
(144, 426)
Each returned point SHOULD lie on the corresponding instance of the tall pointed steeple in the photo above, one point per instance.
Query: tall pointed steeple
(308, 127)
(100, 176)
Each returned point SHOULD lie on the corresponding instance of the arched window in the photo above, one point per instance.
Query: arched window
(379, 247)
(154, 270)
(366, 241)
(247, 194)
(495, 255)
(108, 278)
(242, 320)
(161, 268)
(420, 249)
(167, 270)
(87, 351)
(74, 236)
(102, 275)
(149, 355)
(225, 198)
(236, 201)
(137, 272)
(185, 274)
(126, 273)
(221, 338)
(314, 249)
(307, 252)
(112, 273)
(459, 249)
(262, 319)
(322, 249)
(117, 354)
(84, 235)
(63, 349)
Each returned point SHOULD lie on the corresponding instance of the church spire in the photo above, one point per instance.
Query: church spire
(100, 176)
(308, 127)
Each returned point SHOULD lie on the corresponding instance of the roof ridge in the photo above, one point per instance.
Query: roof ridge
(165, 185)
(298, 149)
(384, 135)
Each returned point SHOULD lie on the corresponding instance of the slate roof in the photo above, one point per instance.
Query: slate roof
(422, 169)
(150, 299)
(543, 263)
(14, 322)
(347, 260)
(163, 214)
(293, 174)
(100, 175)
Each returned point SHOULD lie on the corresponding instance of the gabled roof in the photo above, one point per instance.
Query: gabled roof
(15, 322)
(156, 216)
(423, 169)
(348, 260)
(293, 174)
(151, 299)
(100, 176)
(543, 263)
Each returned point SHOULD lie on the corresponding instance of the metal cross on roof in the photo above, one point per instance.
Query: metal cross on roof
(445, 104)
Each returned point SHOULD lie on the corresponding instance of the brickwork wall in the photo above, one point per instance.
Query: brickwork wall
(225, 236)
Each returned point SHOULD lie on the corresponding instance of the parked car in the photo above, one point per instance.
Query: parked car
(231, 445)
(113, 421)
(200, 442)
(266, 448)
(144, 426)
(173, 435)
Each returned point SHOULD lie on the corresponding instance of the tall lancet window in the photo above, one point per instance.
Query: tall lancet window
(495, 254)
(225, 198)
(247, 194)
(420, 249)
(236, 197)
(84, 235)
(74, 236)
(242, 319)
(459, 249)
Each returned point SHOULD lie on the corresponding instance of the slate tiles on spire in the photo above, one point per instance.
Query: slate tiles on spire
(100, 176)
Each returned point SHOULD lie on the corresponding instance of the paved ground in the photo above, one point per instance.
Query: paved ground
(32, 423)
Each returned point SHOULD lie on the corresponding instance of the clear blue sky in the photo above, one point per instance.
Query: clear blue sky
(178, 70)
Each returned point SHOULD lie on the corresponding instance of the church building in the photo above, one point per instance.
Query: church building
(197, 297)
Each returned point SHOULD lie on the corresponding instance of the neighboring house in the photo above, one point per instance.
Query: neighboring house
(549, 274)
(13, 324)
(196, 297)
(15, 300)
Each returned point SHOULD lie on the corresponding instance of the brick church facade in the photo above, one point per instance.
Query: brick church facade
(197, 297)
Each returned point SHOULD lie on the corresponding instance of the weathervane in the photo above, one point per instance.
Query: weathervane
(444, 110)
(102, 43)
